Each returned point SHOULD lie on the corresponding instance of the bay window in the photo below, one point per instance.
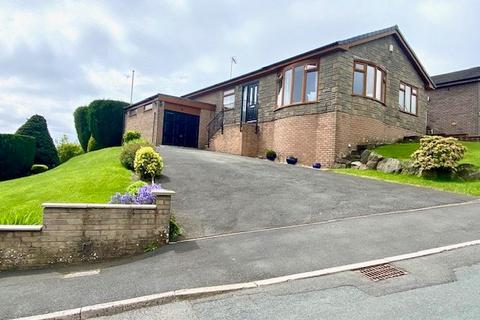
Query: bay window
(369, 81)
(407, 98)
(298, 84)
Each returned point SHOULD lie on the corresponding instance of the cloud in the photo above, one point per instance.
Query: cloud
(58, 55)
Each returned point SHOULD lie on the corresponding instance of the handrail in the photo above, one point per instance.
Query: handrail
(214, 125)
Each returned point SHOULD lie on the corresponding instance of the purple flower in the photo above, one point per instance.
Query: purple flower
(144, 196)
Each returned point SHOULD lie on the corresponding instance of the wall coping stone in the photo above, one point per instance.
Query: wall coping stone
(163, 192)
(18, 227)
(98, 206)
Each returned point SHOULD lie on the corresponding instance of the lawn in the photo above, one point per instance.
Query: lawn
(92, 177)
(404, 150)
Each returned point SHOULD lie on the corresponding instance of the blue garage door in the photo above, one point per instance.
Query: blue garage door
(180, 129)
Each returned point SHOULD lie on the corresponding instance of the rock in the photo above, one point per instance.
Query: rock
(408, 168)
(373, 160)
(389, 165)
(467, 172)
(356, 164)
(340, 166)
(364, 156)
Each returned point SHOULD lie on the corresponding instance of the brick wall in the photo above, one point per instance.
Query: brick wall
(74, 233)
(455, 109)
(145, 122)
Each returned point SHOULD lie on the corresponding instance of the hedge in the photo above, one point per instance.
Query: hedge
(106, 122)
(17, 153)
(80, 117)
(46, 152)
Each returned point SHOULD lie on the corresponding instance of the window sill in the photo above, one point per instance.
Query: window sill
(409, 113)
(369, 98)
(228, 109)
(295, 105)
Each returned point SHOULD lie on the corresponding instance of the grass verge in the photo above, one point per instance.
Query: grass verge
(91, 177)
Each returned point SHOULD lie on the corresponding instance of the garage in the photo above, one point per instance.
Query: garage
(180, 129)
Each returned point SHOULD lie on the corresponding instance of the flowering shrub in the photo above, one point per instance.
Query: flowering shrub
(127, 156)
(144, 196)
(134, 187)
(148, 163)
(437, 152)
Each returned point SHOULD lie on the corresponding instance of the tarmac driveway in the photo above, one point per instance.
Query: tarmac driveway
(221, 193)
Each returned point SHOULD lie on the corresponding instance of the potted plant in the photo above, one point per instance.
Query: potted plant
(316, 165)
(271, 155)
(292, 160)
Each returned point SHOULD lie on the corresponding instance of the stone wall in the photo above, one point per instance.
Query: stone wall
(74, 233)
(455, 110)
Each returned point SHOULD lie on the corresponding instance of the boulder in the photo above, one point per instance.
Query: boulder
(373, 160)
(364, 156)
(389, 165)
(356, 165)
(408, 168)
(467, 172)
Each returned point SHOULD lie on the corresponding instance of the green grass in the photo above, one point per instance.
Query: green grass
(403, 151)
(93, 177)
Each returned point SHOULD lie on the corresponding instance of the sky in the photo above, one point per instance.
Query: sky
(58, 55)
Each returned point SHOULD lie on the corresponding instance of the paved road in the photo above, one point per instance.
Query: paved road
(221, 193)
(444, 286)
(242, 257)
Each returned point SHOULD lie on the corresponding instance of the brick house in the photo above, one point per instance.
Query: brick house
(316, 106)
(454, 107)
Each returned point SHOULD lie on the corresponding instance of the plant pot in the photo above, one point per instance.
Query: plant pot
(292, 160)
(271, 158)
(316, 165)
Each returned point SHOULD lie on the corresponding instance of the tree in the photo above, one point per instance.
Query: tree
(46, 152)
(106, 122)
(80, 117)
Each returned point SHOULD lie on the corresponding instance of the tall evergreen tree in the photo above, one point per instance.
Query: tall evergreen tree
(106, 122)
(81, 116)
(46, 152)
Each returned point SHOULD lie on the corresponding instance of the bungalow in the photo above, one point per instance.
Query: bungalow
(317, 106)
(454, 107)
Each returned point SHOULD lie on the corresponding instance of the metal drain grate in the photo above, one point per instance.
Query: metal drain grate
(381, 272)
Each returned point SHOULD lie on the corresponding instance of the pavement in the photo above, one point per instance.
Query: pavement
(221, 193)
(241, 257)
(443, 286)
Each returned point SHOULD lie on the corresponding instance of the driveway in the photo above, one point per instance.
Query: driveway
(221, 193)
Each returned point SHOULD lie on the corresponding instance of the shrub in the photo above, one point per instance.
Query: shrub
(38, 168)
(437, 154)
(36, 127)
(144, 196)
(134, 187)
(106, 122)
(92, 144)
(175, 229)
(67, 150)
(271, 154)
(80, 117)
(127, 156)
(131, 135)
(17, 153)
(148, 163)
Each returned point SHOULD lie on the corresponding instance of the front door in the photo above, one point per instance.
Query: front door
(250, 102)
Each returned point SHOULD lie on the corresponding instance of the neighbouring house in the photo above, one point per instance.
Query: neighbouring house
(317, 106)
(454, 107)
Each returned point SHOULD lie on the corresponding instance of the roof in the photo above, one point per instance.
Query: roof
(173, 99)
(341, 45)
(457, 77)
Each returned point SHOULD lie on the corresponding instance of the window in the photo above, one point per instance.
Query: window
(298, 84)
(407, 98)
(369, 81)
(229, 99)
(132, 112)
(148, 107)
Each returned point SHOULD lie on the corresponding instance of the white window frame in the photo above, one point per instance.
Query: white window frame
(228, 94)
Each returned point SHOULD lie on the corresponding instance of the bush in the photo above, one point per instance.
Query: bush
(92, 144)
(80, 117)
(106, 122)
(131, 135)
(127, 156)
(437, 154)
(46, 153)
(134, 187)
(148, 163)
(144, 196)
(67, 150)
(17, 153)
(175, 229)
(38, 168)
